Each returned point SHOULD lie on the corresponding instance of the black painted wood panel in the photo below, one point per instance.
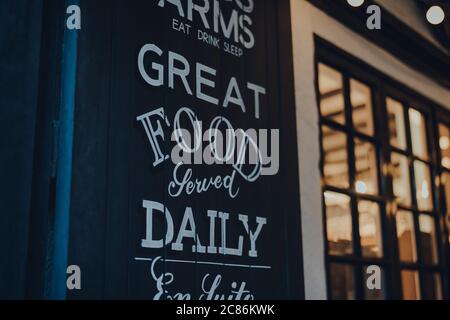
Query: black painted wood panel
(20, 36)
(114, 174)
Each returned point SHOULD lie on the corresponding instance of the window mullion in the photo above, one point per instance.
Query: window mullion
(388, 211)
(440, 213)
(352, 174)
(412, 178)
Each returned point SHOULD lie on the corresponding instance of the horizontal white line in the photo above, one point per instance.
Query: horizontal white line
(208, 263)
(142, 259)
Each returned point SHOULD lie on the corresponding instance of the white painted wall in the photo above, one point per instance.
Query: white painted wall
(307, 20)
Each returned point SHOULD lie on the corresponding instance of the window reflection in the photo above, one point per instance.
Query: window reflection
(335, 157)
(355, 193)
(410, 285)
(433, 286)
(446, 183)
(331, 94)
(418, 134)
(423, 186)
(370, 231)
(342, 283)
(366, 167)
(428, 239)
(400, 180)
(444, 145)
(396, 122)
(339, 223)
(406, 236)
(361, 100)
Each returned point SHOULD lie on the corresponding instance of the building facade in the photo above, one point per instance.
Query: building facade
(337, 62)
(355, 206)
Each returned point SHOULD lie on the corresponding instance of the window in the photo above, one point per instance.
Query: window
(354, 209)
(370, 229)
(334, 144)
(342, 281)
(331, 94)
(366, 173)
(423, 186)
(428, 239)
(396, 123)
(406, 236)
(434, 287)
(444, 156)
(410, 285)
(379, 183)
(400, 179)
(418, 133)
(415, 216)
(339, 223)
(361, 100)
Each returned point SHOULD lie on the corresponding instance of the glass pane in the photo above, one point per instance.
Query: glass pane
(370, 229)
(428, 239)
(444, 145)
(366, 167)
(418, 133)
(339, 223)
(423, 186)
(342, 282)
(433, 286)
(406, 236)
(361, 99)
(410, 285)
(335, 156)
(446, 184)
(396, 120)
(374, 287)
(331, 94)
(400, 180)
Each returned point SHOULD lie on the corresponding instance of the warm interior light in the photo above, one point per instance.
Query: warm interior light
(415, 116)
(332, 198)
(445, 162)
(426, 224)
(444, 143)
(425, 193)
(368, 227)
(361, 187)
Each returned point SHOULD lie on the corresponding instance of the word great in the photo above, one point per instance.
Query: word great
(178, 67)
(188, 232)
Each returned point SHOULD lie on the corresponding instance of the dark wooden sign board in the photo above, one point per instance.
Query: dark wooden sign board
(115, 180)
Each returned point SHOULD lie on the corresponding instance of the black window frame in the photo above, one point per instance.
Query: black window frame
(382, 86)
